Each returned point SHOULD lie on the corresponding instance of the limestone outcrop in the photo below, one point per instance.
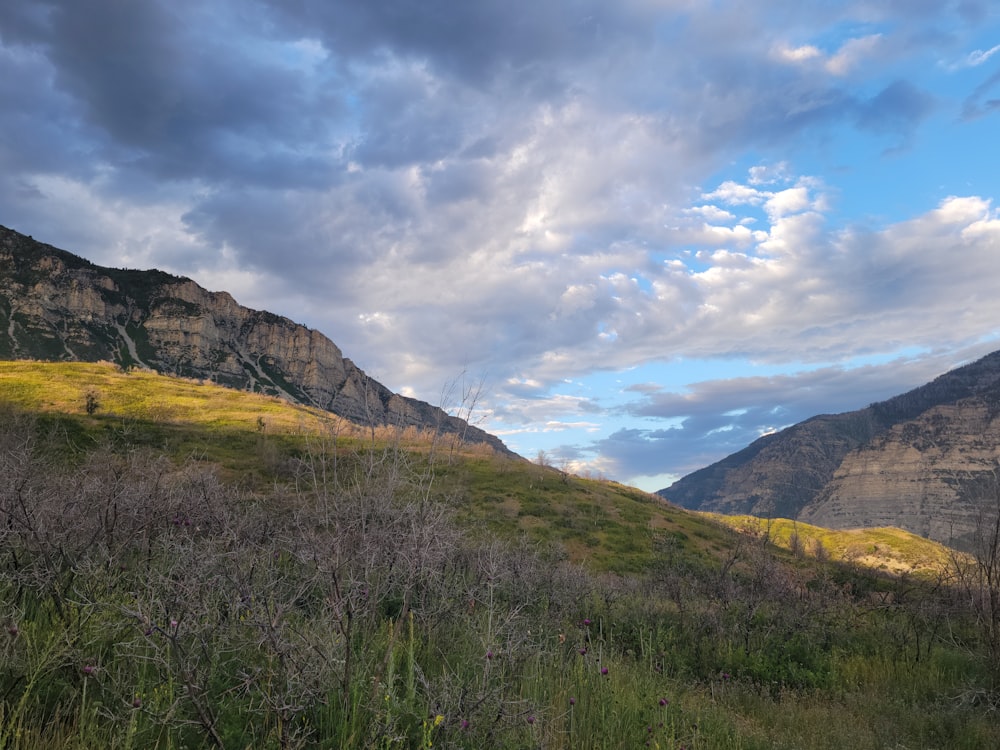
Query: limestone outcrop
(925, 461)
(933, 476)
(57, 306)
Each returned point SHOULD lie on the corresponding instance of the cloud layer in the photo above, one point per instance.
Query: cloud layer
(542, 193)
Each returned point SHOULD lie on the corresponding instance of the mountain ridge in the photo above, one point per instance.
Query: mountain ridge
(57, 306)
(918, 461)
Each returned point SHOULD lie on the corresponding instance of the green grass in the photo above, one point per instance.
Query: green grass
(892, 550)
(144, 396)
(605, 524)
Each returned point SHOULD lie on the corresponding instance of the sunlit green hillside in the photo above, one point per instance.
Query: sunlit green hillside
(891, 550)
(142, 395)
(608, 525)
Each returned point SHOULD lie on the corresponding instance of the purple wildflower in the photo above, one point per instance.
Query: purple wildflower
(664, 701)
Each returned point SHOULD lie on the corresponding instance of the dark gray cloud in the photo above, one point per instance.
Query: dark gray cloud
(200, 91)
(898, 108)
(407, 118)
(39, 130)
(176, 91)
(23, 22)
(635, 452)
(979, 102)
(785, 397)
(717, 418)
(472, 41)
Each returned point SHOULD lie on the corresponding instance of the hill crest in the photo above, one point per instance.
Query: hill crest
(56, 306)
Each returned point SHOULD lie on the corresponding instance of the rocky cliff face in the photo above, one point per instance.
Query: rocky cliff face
(778, 474)
(933, 476)
(57, 306)
(924, 461)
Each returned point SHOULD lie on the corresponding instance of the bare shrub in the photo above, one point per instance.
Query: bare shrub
(977, 574)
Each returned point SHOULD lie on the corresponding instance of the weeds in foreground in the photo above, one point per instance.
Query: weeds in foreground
(151, 605)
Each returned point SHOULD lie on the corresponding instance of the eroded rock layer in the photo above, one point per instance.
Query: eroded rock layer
(57, 306)
(925, 461)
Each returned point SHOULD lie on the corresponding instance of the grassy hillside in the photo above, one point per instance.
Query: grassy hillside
(605, 524)
(892, 550)
(145, 396)
(185, 566)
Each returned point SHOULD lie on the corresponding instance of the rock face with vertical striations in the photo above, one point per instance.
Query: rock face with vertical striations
(57, 306)
(932, 475)
(925, 461)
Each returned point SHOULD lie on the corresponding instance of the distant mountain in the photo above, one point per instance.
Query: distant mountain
(924, 461)
(57, 306)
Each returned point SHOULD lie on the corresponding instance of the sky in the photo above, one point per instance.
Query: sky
(651, 230)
